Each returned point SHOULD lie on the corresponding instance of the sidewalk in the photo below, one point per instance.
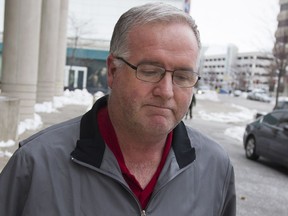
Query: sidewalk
(48, 119)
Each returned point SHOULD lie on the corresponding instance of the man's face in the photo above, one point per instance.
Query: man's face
(152, 108)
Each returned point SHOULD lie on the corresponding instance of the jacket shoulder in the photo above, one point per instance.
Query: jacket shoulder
(203, 141)
(60, 131)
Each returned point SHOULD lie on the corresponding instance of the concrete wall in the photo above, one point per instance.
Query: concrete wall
(9, 109)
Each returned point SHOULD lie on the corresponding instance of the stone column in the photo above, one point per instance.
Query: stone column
(9, 117)
(20, 52)
(62, 46)
(48, 53)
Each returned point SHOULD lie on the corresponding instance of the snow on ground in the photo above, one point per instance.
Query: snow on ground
(236, 132)
(243, 115)
(77, 97)
(5, 154)
(81, 97)
(209, 95)
(29, 124)
(84, 98)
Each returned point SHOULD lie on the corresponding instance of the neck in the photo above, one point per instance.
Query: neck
(142, 156)
(142, 152)
(142, 160)
(139, 147)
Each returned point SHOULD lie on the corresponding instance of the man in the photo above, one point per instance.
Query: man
(190, 109)
(131, 154)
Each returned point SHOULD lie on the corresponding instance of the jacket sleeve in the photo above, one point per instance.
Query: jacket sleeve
(229, 205)
(15, 179)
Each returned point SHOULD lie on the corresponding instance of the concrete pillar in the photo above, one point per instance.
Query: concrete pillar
(9, 109)
(20, 52)
(62, 45)
(48, 53)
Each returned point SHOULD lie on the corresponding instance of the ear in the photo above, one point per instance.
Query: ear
(111, 70)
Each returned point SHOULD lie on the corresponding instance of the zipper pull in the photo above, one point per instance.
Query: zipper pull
(143, 213)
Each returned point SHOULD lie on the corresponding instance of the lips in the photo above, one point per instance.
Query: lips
(160, 107)
(159, 110)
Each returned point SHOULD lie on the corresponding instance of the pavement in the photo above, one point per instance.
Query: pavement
(65, 113)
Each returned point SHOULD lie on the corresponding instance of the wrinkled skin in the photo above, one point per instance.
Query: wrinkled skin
(149, 111)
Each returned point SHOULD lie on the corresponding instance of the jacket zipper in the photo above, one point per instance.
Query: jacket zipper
(142, 211)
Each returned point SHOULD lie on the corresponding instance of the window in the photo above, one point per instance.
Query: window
(272, 118)
(284, 120)
(284, 7)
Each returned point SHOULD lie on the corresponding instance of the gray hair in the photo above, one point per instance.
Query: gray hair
(146, 14)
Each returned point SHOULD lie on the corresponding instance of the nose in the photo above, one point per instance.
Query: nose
(164, 87)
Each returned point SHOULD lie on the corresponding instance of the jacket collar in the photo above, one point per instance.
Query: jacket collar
(90, 147)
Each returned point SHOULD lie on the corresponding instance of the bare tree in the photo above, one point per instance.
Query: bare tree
(78, 29)
(280, 52)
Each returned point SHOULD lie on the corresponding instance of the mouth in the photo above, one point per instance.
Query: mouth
(160, 107)
(161, 110)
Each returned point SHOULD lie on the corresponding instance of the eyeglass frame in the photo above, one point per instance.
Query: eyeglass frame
(165, 70)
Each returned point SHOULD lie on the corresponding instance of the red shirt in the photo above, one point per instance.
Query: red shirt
(109, 136)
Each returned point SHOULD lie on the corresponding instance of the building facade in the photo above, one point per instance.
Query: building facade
(86, 65)
(233, 70)
(254, 71)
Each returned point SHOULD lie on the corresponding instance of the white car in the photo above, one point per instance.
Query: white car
(237, 93)
(259, 96)
(203, 89)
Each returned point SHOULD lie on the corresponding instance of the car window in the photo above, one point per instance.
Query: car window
(272, 118)
(284, 120)
(285, 105)
(282, 105)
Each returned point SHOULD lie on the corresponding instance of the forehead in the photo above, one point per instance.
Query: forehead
(173, 40)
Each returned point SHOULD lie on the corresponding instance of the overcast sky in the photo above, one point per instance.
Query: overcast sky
(249, 24)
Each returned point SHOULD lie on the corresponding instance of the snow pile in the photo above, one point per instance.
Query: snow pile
(77, 97)
(208, 95)
(7, 144)
(235, 132)
(29, 124)
(243, 115)
(5, 154)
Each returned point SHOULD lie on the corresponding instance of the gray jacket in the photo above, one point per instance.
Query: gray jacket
(43, 177)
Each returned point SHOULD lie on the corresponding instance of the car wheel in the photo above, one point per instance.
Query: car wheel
(250, 149)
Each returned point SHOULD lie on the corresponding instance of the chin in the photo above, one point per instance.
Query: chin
(160, 127)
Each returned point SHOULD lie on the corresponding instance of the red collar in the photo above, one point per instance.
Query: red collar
(109, 136)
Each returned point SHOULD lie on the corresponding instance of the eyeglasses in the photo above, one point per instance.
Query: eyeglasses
(153, 74)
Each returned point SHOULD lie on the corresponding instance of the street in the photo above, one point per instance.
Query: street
(261, 186)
